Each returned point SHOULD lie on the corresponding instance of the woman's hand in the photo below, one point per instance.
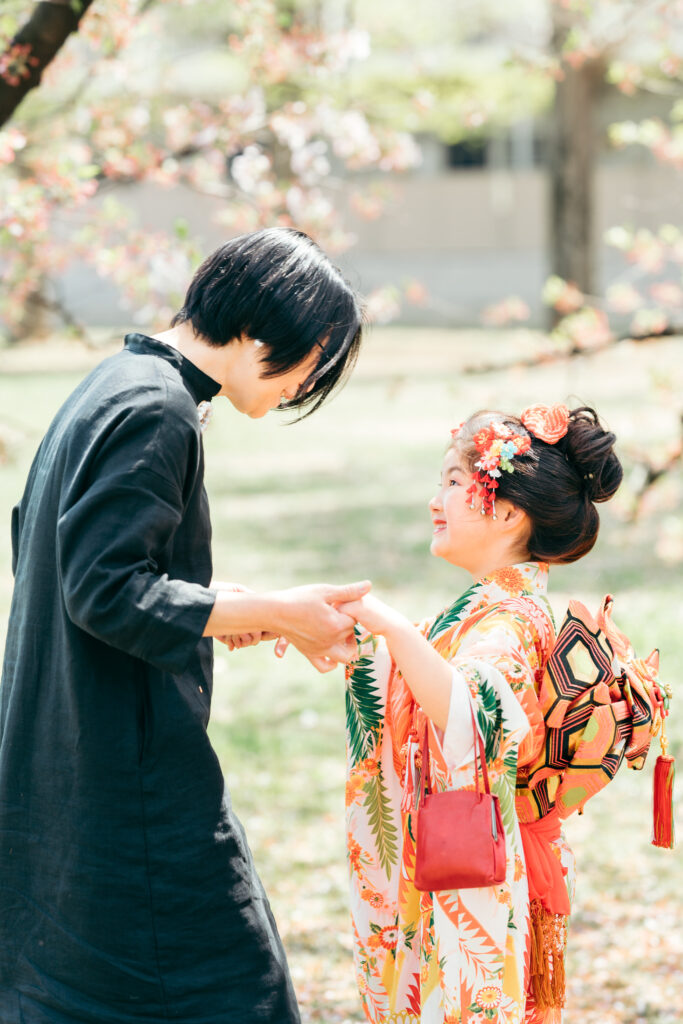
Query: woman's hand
(374, 615)
(427, 674)
(236, 641)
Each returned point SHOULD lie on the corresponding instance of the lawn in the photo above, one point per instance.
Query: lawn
(342, 496)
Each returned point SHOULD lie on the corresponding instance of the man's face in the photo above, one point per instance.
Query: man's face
(254, 394)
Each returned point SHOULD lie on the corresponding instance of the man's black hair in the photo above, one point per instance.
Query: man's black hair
(277, 286)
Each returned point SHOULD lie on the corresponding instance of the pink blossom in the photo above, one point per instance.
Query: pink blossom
(383, 305)
(623, 298)
(416, 293)
(510, 310)
(11, 140)
(251, 170)
(667, 293)
(564, 296)
(649, 321)
(16, 63)
(588, 328)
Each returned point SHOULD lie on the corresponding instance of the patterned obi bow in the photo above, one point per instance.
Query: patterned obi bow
(601, 705)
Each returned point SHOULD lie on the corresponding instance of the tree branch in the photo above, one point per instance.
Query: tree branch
(652, 472)
(34, 47)
(573, 351)
(56, 305)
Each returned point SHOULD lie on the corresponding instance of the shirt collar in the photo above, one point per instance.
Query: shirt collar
(201, 386)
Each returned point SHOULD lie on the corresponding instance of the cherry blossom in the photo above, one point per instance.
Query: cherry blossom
(269, 159)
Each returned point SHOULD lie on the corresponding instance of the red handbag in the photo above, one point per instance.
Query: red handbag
(460, 837)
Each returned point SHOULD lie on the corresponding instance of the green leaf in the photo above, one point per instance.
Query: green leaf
(505, 787)
(510, 760)
(181, 229)
(363, 710)
(382, 827)
(449, 616)
(8, 27)
(409, 932)
(410, 826)
(88, 171)
(489, 717)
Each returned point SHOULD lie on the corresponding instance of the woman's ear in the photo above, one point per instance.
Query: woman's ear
(512, 519)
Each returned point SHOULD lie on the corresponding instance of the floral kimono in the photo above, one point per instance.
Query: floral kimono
(458, 956)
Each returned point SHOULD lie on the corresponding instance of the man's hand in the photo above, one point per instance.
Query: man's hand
(234, 587)
(309, 618)
(235, 641)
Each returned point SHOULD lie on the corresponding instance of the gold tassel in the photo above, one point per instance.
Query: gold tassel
(546, 956)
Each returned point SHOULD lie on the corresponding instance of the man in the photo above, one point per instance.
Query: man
(127, 890)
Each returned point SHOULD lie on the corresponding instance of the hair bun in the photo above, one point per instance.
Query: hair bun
(590, 448)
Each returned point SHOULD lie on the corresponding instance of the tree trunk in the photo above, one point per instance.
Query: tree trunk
(34, 46)
(572, 156)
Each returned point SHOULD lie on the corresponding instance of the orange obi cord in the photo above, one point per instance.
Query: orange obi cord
(550, 909)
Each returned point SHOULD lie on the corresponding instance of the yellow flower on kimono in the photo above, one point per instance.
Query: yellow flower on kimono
(488, 997)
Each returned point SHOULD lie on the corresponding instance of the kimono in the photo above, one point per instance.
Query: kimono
(461, 956)
(127, 889)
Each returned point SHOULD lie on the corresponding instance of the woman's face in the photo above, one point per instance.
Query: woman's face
(249, 391)
(461, 534)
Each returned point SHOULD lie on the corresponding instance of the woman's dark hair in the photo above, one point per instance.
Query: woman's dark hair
(557, 485)
(277, 286)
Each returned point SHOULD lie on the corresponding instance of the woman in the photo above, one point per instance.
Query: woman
(516, 493)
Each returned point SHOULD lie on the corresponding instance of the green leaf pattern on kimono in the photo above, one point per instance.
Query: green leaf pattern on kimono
(364, 712)
(384, 830)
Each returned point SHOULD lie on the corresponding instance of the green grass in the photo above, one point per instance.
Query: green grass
(343, 496)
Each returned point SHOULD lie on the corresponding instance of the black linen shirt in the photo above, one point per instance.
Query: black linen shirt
(127, 890)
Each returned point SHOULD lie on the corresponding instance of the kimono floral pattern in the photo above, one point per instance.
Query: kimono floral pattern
(460, 956)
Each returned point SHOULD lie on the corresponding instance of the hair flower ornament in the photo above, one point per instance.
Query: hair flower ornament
(497, 445)
(548, 423)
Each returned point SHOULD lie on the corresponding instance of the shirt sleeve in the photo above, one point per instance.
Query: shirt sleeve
(115, 533)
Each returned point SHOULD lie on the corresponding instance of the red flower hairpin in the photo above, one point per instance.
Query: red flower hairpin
(546, 422)
(497, 444)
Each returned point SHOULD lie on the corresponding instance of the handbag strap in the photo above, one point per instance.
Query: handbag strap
(478, 749)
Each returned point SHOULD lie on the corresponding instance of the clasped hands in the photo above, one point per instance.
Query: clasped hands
(317, 619)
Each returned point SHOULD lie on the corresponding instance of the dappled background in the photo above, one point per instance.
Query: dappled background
(502, 182)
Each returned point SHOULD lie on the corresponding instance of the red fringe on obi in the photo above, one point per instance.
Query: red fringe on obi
(550, 910)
